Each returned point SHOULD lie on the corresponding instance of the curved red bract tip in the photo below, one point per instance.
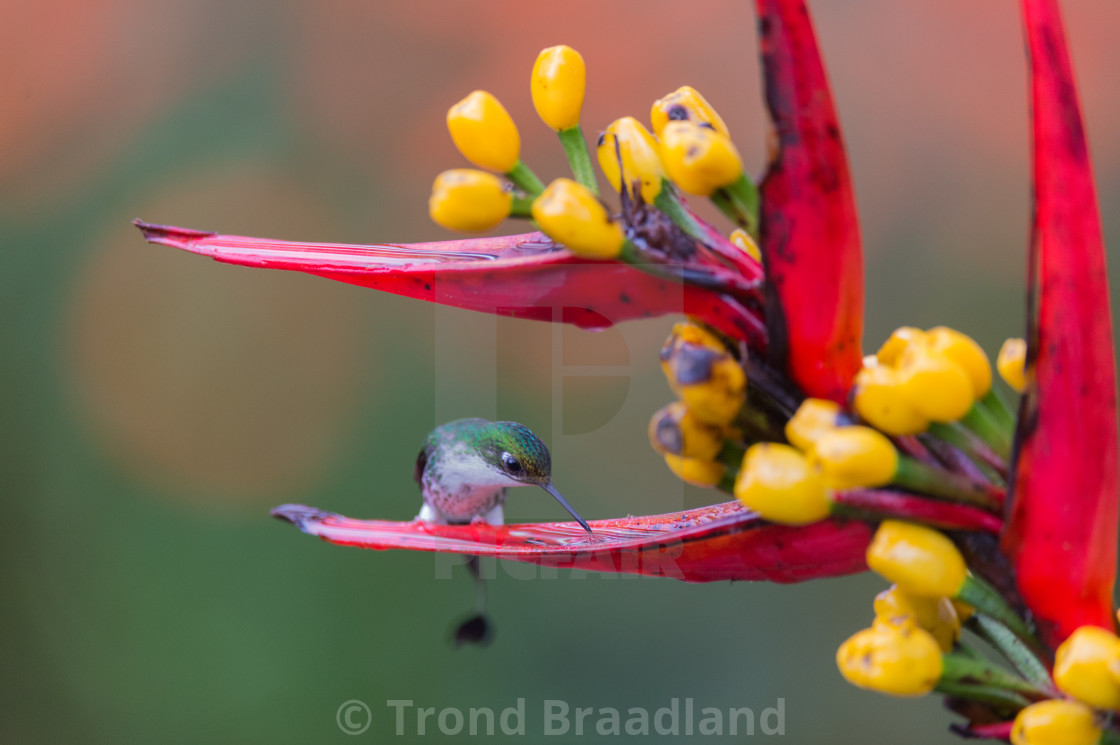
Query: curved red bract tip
(1062, 528)
(810, 230)
(720, 542)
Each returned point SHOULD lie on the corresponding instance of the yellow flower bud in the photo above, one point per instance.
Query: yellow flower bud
(570, 214)
(900, 338)
(1056, 722)
(703, 473)
(743, 240)
(637, 150)
(685, 103)
(918, 559)
(778, 483)
(469, 200)
(964, 351)
(699, 160)
(879, 400)
(813, 418)
(963, 609)
(896, 661)
(484, 132)
(935, 386)
(674, 430)
(711, 383)
(557, 85)
(854, 456)
(1081, 667)
(935, 615)
(1012, 364)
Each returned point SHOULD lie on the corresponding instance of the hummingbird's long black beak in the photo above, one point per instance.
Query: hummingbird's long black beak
(548, 487)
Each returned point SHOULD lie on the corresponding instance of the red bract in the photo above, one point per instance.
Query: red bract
(810, 230)
(720, 542)
(524, 276)
(1062, 529)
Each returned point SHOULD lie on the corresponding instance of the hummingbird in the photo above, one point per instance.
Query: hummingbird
(466, 466)
(463, 470)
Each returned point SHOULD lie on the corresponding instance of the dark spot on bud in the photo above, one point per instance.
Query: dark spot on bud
(602, 139)
(678, 113)
(694, 364)
(707, 125)
(669, 435)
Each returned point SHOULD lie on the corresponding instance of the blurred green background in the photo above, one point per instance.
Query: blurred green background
(155, 404)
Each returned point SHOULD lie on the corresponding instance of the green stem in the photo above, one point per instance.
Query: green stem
(668, 203)
(981, 596)
(575, 147)
(957, 668)
(525, 180)
(739, 201)
(521, 207)
(1013, 648)
(998, 406)
(973, 447)
(993, 696)
(938, 483)
(731, 455)
(981, 421)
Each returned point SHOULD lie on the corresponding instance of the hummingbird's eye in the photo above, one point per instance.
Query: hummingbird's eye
(511, 464)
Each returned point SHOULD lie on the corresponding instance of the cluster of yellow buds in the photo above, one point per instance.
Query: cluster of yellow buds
(690, 151)
(918, 377)
(711, 385)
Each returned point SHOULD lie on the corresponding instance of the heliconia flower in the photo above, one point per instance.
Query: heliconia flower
(779, 483)
(934, 614)
(1062, 527)
(469, 200)
(1056, 722)
(572, 216)
(685, 103)
(743, 240)
(790, 333)
(813, 418)
(891, 660)
(558, 84)
(699, 160)
(627, 150)
(484, 132)
(1083, 667)
(675, 430)
(1012, 363)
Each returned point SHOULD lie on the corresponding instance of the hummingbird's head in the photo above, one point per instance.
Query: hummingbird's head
(515, 452)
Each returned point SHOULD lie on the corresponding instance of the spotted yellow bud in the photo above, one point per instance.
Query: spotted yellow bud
(900, 338)
(935, 615)
(627, 141)
(813, 418)
(703, 473)
(1082, 667)
(710, 382)
(879, 400)
(675, 430)
(966, 353)
(469, 200)
(685, 103)
(918, 559)
(570, 214)
(699, 160)
(557, 84)
(1012, 364)
(935, 386)
(854, 456)
(1056, 722)
(779, 484)
(892, 660)
(688, 332)
(743, 240)
(484, 132)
